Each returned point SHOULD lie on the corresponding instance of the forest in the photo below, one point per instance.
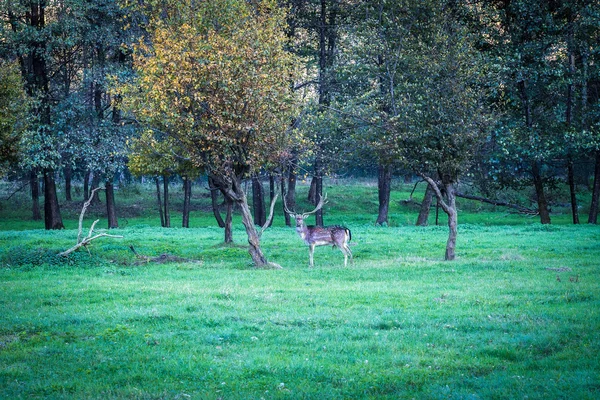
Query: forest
(486, 94)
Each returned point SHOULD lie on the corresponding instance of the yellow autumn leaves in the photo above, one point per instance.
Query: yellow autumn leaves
(216, 91)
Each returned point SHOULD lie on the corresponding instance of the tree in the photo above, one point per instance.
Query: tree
(219, 79)
(420, 95)
(13, 113)
(29, 39)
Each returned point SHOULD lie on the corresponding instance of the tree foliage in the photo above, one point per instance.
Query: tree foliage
(217, 81)
(13, 115)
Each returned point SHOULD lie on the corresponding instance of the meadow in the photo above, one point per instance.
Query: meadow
(515, 316)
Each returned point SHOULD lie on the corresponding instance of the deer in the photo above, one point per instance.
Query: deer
(334, 235)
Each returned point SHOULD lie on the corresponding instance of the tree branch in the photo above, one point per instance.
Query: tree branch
(521, 209)
(268, 222)
(85, 241)
(437, 191)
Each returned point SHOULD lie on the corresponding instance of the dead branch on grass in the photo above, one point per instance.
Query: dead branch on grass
(89, 238)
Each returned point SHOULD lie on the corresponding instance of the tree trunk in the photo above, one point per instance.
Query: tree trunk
(187, 195)
(449, 207)
(166, 201)
(214, 197)
(95, 184)
(452, 223)
(593, 216)
(384, 184)
(425, 207)
(86, 185)
(312, 191)
(286, 216)
(111, 209)
(271, 193)
(541, 196)
(228, 221)
(318, 195)
(258, 202)
(259, 259)
(160, 207)
(68, 171)
(34, 184)
(290, 195)
(573, 191)
(52, 217)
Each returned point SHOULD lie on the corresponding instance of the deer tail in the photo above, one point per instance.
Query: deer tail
(349, 234)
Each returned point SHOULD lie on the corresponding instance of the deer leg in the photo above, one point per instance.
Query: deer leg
(349, 252)
(311, 250)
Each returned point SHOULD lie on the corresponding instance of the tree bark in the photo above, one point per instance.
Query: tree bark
(111, 209)
(160, 207)
(573, 191)
(290, 195)
(231, 186)
(68, 171)
(593, 216)
(272, 191)
(52, 217)
(214, 197)
(228, 220)
(449, 207)
(86, 185)
(166, 201)
(541, 196)
(425, 207)
(95, 184)
(452, 222)
(34, 184)
(187, 195)
(384, 186)
(258, 203)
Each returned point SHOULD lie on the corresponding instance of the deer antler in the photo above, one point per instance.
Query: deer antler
(322, 202)
(285, 207)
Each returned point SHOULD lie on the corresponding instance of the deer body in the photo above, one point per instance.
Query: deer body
(334, 235)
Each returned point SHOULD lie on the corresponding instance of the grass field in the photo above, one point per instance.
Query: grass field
(516, 316)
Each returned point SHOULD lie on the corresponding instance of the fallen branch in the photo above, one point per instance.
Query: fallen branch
(86, 240)
(521, 209)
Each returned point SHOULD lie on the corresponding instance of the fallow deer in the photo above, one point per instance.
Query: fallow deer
(334, 235)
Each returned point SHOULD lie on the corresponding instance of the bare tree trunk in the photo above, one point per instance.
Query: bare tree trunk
(68, 171)
(95, 184)
(160, 207)
(111, 209)
(35, 195)
(187, 195)
(286, 216)
(541, 197)
(52, 217)
(290, 195)
(258, 203)
(449, 207)
(86, 185)
(228, 221)
(425, 207)
(232, 187)
(593, 216)
(166, 201)
(271, 192)
(384, 186)
(452, 223)
(214, 197)
(573, 191)
(318, 194)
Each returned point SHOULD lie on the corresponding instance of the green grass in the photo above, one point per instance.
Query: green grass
(516, 316)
